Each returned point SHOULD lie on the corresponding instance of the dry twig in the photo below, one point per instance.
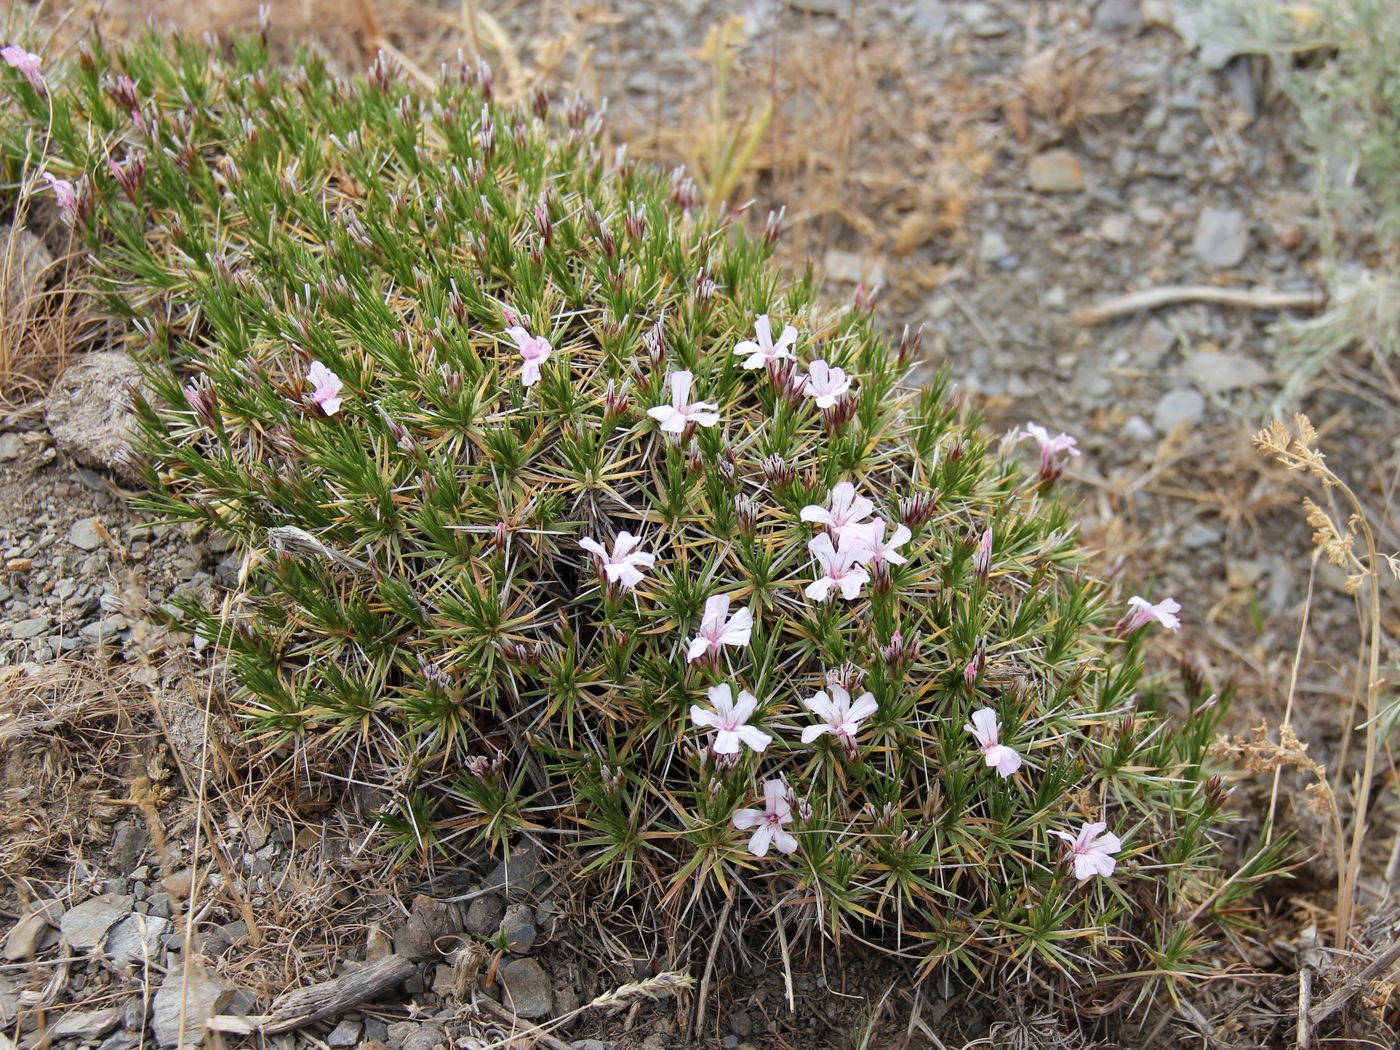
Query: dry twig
(1245, 298)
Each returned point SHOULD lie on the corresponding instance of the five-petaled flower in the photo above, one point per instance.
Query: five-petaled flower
(844, 508)
(1141, 612)
(840, 716)
(825, 383)
(718, 629)
(875, 548)
(27, 62)
(66, 195)
(765, 351)
(325, 388)
(985, 730)
(1092, 850)
(841, 568)
(768, 822)
(625, 564)
(1052, 449)
(534, 350)
(730, 720)
(680, 413)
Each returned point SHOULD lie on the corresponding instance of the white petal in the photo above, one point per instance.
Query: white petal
(743, 819)
(812, 512)
(739, 629)
(726, 742)
(716, 608)
(700, 717)
(784, 842)
(811, 733)
(818, 590)
(863, 708)
(755, 738)
(759, 842)
(680, 388)
(591, 545)
(698, 647)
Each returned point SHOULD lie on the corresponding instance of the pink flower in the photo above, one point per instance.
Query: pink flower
(840, 717)
(680, 413)
(67, 197)
(534, 351)
(623, 566)
(840, 566)
(843, 509)
(1051, 448)
(718, 629)
(730, 720)
(875, 549)
(825, 383)
(984, 729)
(982, 560)
(1092, 850)
(1141, 612)
(765, 351)
(27, 63)
(768, 822)
(325, 390)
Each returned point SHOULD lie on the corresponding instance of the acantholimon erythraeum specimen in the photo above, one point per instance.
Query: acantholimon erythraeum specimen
(465, 383)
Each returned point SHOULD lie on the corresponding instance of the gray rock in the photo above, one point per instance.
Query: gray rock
(1055, 171)
(24, 938)
(129, 842)
(1177, 407)
(851, 268)
(85, 535)
(85, 1025)
(89, 411)
(199, 998)
(1138, 430)
(32, 627)
(1223, 371)
(137, 938)
(27, 265)
(518, 874)
(425, 1037)
(528, 991)
(429, 921)
(1221, 237)
(1199, 536)
(591, 1044)
(518, 928)
(993, 247)
(1117, 16)
(11, 445)
(85, 926)
(347, 1033)
(484, 915)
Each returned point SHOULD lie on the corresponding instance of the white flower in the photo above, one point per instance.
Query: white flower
(623, 565)
(730, 720)
(840, 567)
(534, 351)
(676, 416)
(768, 822)
(1092, 850)
(844, 508)
(840, 717)
(825, 383)
(870, 540)
(326, 388)
(765, 351)
(718, 629)
(985, 730)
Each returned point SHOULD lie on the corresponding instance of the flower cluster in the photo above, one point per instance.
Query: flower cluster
(627, 557)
